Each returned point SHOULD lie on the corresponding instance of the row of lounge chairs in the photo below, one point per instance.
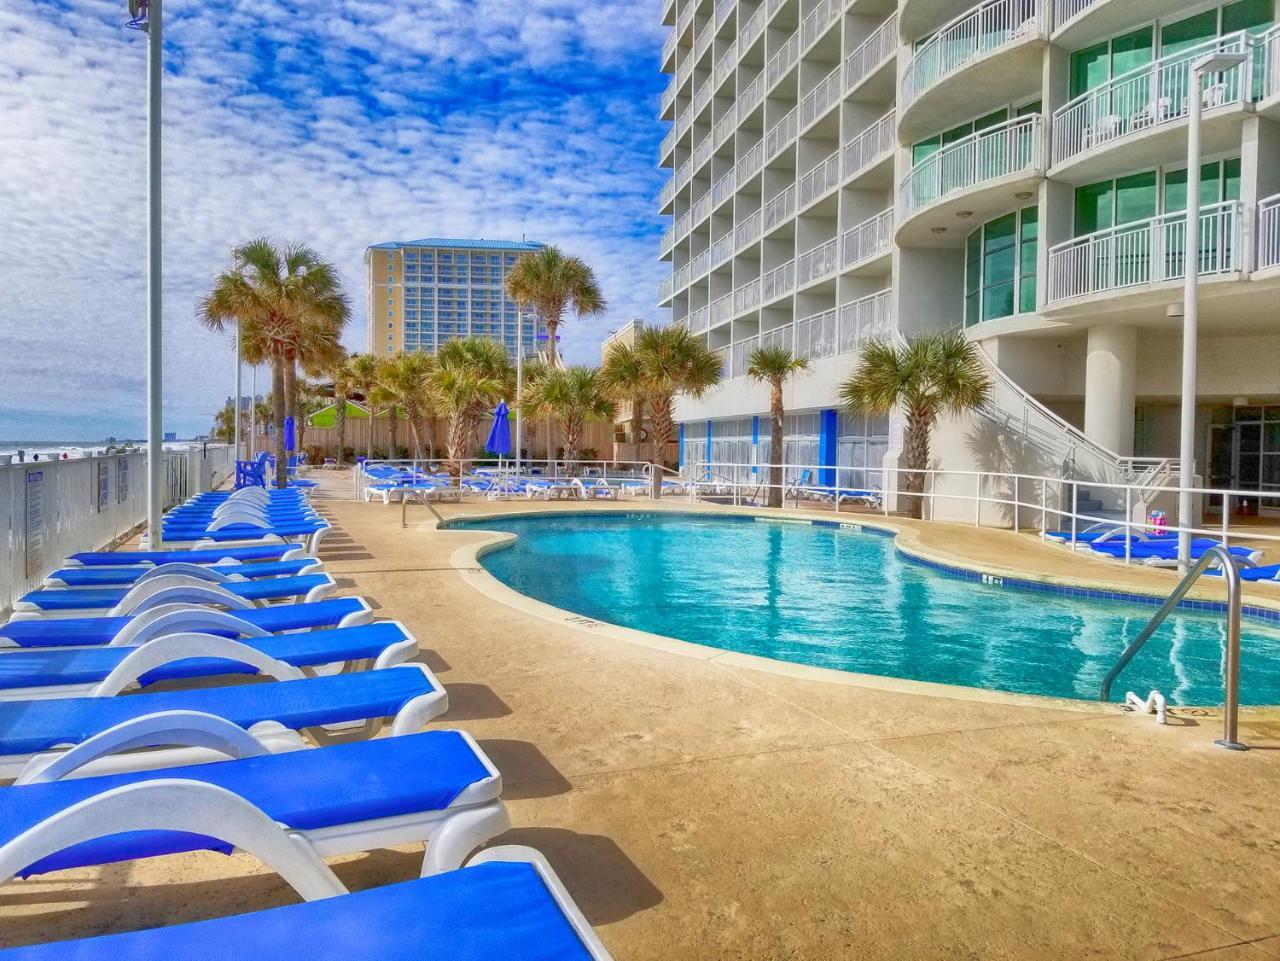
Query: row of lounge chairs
(1109, 540)
(387, 482)
(105, 769)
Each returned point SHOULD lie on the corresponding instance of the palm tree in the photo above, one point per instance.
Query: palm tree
(550, 282)
(472, 375)
(928, 376)
(290, 308)
(224, 423)
(773, 366)
(343, 378)
(626, 384)
(671, 361)
(405, 380)
(573, 396)
(364, 377)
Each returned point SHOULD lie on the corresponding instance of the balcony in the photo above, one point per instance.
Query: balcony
(782, 133)
(1269, 233)
(1139, 255)
(1144, 110)
(870, 56)
(867, 241)
(820, 99)
(749, 32)
(700, 319)
(722, 190)
(782, 61)
(780, 208)
(752, 96)
(667, 106)
(779, 282)
(1268, 48)
(819, 181)
(750, 164)
(748, 232)
(723, 9)
(819, 21)
(994, 44)
(721, 309)
(721, 250)
(818, 263)
(725, 65)
(867, 319)
(725, 127)
(982, 173)
(870, 148)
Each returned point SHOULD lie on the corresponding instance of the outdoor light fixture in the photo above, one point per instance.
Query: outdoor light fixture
(1218, 62)
(964, 214)
(1024, 195)
(938, 230)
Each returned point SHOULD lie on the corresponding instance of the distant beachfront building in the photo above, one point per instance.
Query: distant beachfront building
(423, 293)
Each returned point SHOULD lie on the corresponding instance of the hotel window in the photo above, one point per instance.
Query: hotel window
(1000, 267)
(924, 149)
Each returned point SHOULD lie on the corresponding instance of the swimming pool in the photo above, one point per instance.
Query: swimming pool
(846, 599)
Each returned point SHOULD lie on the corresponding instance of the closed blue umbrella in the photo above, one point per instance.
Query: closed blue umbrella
(500, 434)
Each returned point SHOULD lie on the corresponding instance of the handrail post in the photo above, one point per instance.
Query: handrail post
(1128, 521)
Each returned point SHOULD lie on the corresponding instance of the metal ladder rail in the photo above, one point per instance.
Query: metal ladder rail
(1231, 680)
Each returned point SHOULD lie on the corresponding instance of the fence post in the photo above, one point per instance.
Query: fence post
(1074, 501)
(1226, 514)
(1128, 524)
(977, 500)
(1016, 503)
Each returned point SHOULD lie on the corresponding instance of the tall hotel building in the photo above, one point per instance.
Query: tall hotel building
(853, 169)
(423, 293)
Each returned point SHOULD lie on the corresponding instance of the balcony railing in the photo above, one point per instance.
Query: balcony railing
(990, 154)
(821, 98)
(779, 282)
(668, 239)
(669, 45)
(868, 147)
(702, 41)
(1150, 96)
(701, 209)
(685, 18)
(782, 61)
(684, 71)
(780, 208)
(972, 36)
(871, 53)
(668, 192)
(721, 250)
(751, 30)
(1269, 233)
(725, 126)
(816, 24)
(665, 287)
(819, 262)
(721, 309)
(782, 132)
(751, 96)
(741, 356)
(1268, 47)
(701, 265)
(669, 95)
(1064, 10)
(669, 141)
(746, 297)
(867, 239)
(702, 152)
(726, 64)
(702, 97)
(750, 163)
(865, 320)
(748, 232)
(723, 9)
(700, 319)
(822, 179)
(726, 370)
(722, 189)
(1146, 252)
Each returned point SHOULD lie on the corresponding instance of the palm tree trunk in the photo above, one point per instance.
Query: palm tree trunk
(340, 422)
(916, 449)
(277, 414)
(457, 441)
(637, 421)
(553, 324)
(776, 444)
(368, 434)
(431, 436)
(393, 428)
(663, 430)
(572, 436)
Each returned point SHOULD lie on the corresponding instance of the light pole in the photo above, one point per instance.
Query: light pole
(239, 391)
(519, 389)
(253, 411)
(1218, 62)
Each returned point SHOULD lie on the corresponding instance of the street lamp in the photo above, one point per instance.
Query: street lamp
(1217, 62)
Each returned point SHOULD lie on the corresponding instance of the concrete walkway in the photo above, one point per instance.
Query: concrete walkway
(701, 809)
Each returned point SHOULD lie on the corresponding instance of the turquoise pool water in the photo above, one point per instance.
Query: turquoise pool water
(845, 599)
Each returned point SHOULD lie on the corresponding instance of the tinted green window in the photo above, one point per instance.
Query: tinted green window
(1254, 15)
(991, 120)
(972, 277)
(1028, 240)
(1026, 109)
(1130, 51)
(925, 149)
(1175, 187)
(999, 262)
(1135, 198)
(1088, 68)
(1093, 207)
(1176, 37)
(1231, 179)
(956, 133)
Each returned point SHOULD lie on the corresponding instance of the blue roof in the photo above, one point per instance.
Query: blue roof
(462, 244)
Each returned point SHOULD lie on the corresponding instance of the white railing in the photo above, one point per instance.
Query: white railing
(701, 264)
(669, 141)
(683, 224)
(821, 98)
(1269, 232)
(702, 41)
(741, 356)
(665, 287)
(702, 97)
(869, 55)
(1064, 10)
(721, 250)
(684, 71)
(725, 126)
(817, 336)
(1145, 252)
(867, 319)
(749, 31)
(1267, 46)
(669, 45)
(1150, 96)
(867, 239)
(684, 172)
(746, 297)
(668, 239)
(778, 282)
(750, 163)
(723, 354)
(669, 95)
(748, 232)
(818, 262)
(702, 152)
(782, 61)
(685, 18)
(816, 24)
(783, 336)
(1000, 151)
(723, 9)
(782, 132)
(973, 35)
(722, 189)
(700, 319)
(701, 209)
(780, 208)
(722, 308)
(668, 192)
(869, 146)
(751, 97)
(726, 64)
(820, 180)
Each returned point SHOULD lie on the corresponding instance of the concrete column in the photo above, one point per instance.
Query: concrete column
(1109, 386)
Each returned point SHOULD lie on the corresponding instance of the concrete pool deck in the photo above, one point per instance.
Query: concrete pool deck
(698, 808)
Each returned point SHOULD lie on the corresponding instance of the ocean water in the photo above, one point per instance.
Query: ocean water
(848, 600)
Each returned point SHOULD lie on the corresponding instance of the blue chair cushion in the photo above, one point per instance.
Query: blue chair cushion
(110, 576)
(499, 911)
(76, 598)
(27, 727)
(257, 552)
(304, 790)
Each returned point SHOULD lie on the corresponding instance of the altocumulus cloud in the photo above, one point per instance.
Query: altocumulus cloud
(338, 122)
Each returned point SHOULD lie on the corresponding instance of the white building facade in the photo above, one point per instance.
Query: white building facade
(845, 170)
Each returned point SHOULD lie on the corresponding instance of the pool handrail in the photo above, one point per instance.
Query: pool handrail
(1231, 680)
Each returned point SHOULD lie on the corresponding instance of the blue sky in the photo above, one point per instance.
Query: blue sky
(336, 122)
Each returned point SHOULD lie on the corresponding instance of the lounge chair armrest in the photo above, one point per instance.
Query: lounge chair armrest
(177, 618)
(417, 711)
(162, 729)
(189, 570)
(175, 804)
(174, 588)
(239, 514)
(180, 647)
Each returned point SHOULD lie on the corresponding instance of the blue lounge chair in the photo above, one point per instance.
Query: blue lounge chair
(326, 707)
(435, 787)
(505, 904)
(169, 589)
(180, 618)
(1165, 553)
(213, 555)
(62, 672)
(216, 573)
(1264, 573)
